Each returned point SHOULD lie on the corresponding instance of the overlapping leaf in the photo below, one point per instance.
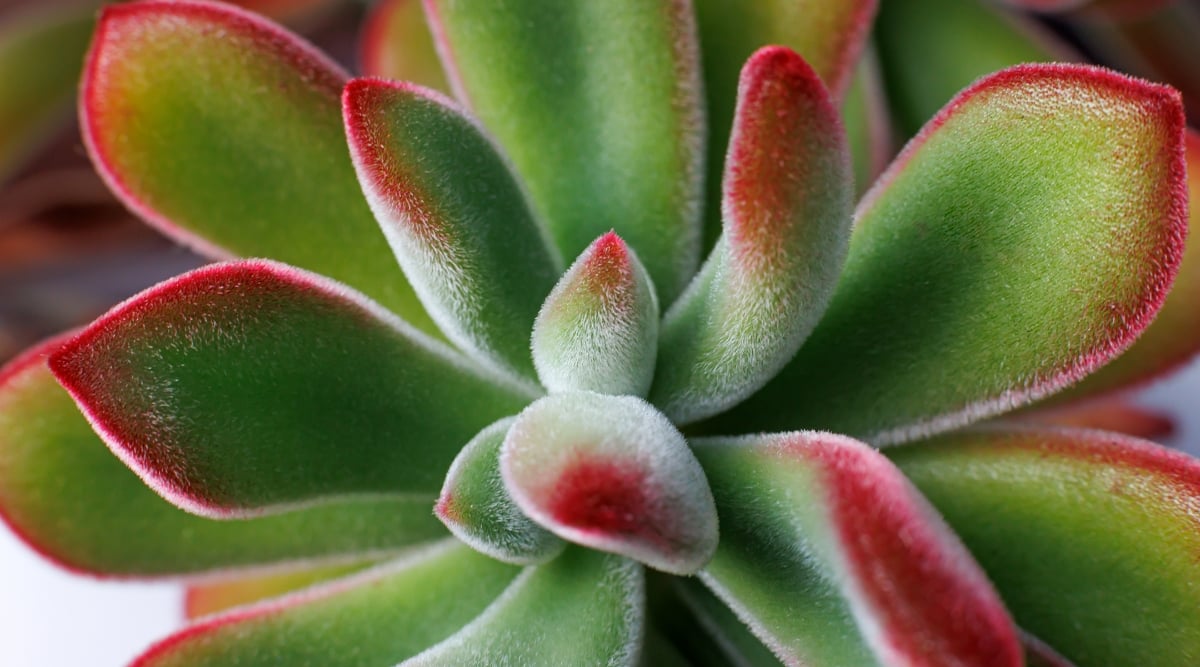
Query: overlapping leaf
(396, 44)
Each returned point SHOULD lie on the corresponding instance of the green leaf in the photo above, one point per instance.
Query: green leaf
(598, 330)
(829, 34)
(252, 386)
(832, 558)
(225, 132)
(737, 645)
(476, 507)
(378, 617)
(396, 44)
(787, 203)
(929, 50)
(454, 215)
(599, 106)
(66, 495)
(868, 123)
(205, 598)
(582, 608)
(1028, 235)
(611, 473)
(1091, 538)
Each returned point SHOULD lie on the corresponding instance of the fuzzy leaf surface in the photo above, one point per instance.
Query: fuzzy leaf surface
(68, 497)
(598, 103)
(1081, 531)
(786, 208)
(611, 473)
(1023, 239)
(582, 608)
(831, 557)
(378, 617)
(253, 386)
(205, 598)
(224, 131)
(598, 329)
(477, 508)
(397, 44)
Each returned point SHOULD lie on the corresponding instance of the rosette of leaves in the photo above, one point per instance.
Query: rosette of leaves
(534, 421)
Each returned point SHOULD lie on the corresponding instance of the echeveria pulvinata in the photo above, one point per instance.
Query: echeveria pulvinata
(533, 350)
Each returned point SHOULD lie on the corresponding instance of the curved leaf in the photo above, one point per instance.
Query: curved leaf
(65, 494)
(611, 473)
(831, 557)
(253, 386)
(787, 203)
(205, 598)
(225, 132)
(582, 608)
(1027, 236)
(598, 105)
(598, 329)
(397, 44)
(378, 617)
(455, 217)
(1081, 531)
(476, 507)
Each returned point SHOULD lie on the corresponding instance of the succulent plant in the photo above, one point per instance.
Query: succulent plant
(641, 457)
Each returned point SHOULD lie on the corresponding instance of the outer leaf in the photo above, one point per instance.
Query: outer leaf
(40, 50)
(582, 608)
(1113, 414)
(209, 597)
(598, 330)
(476, 507)
(611, 473)
(240, 388)
(378, 617)
(64, 493)
(225, 132)
(787, 204)
(829, 35)
(454, 215)
(831, 557)
(1025, 237)
(931, 49)
(397, 44)
(1081, 531)
(598, 104)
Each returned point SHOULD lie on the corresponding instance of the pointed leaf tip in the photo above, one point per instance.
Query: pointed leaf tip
(455, 216)
(787, 203)
(598, 329)
(610, 472)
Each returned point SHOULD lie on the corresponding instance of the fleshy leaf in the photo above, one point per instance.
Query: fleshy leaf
(931, 49)
(1081, 532)
(831, 557)
(611, 473)
(787, 205)
(582, 608)
(1024, 238)
(225, 132)
(476, 507)
(598, 329)
(599, 106)
(40, 52)
(868, 123)
(829, 35)
(1171, 340)
(253, 386)
(1113, 414)
(210, 597)
(734, 640)
(397, 44)
(378, 617)
(454, 215)
(65, 494)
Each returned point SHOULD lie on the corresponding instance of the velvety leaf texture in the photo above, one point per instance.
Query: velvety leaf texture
(225, 132)
(455, 217)
(787, 205)
(598, 104)
(598, 330)
(832, 558)
(67, 496)
(1090, 537)
(1035, 226)
(205, 598)
(237, 388)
